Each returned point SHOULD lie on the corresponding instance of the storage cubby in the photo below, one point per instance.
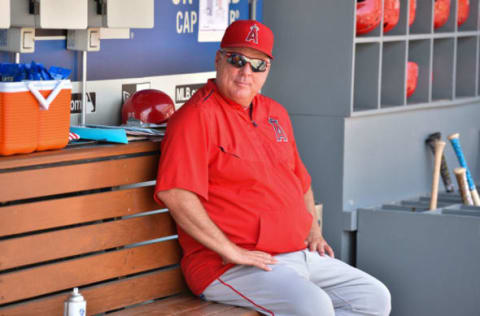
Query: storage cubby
(426, 256)
(373, 33)
(402, 25)
(423, 23)
(375, 64)
(443, 69)
(471, 24)
(451, 25)
(447, 58)
(366, 76)
(394, 64)
(466, 75)
(478, 68)
(420, 51)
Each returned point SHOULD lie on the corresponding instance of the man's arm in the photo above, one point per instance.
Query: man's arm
(191, 216)
(315, 240)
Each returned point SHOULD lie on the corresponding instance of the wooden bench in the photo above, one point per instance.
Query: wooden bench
(85, 217)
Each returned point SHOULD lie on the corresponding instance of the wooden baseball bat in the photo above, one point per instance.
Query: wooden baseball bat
(444, 173)
(455, 141)
(439, 147)
(461, 175)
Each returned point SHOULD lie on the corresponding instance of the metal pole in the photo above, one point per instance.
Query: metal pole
(253, 9)
(84, 88)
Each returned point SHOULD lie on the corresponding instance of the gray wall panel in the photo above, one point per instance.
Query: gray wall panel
(302, 75)
(320, 143)
(429, 262)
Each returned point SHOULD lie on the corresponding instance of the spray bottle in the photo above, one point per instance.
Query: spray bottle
(75, 305)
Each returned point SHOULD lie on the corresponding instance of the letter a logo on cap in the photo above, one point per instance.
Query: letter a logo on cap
(253, 34)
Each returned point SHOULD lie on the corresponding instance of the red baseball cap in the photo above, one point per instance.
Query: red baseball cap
(249, 33)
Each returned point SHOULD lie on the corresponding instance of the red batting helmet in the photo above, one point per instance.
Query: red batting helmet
(369, 14)
(413, 10)
(149, 106)
(442, 11)
(463, 11)
(412, 77)
(391, 14)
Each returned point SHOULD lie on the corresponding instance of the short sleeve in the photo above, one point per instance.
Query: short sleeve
(184, 155)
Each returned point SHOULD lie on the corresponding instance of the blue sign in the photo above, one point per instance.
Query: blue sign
(171, 47)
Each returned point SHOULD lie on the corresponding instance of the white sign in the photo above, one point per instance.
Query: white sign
(213, 20)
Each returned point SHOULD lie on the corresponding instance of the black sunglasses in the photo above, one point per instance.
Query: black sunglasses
(238, 61)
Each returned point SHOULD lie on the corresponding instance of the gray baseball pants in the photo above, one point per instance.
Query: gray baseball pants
(302, 283)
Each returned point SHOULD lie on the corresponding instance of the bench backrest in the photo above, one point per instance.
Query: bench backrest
(84, 217)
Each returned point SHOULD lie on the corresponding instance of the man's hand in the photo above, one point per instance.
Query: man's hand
(254, 258)
(316, 242)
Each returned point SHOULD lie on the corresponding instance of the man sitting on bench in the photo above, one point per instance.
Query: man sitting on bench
(233, 180)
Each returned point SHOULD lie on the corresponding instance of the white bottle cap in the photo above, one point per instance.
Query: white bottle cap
(76, 296)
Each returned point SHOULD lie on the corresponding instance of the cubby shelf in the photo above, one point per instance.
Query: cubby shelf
(416, 106)
(420, 51)
(447, 58)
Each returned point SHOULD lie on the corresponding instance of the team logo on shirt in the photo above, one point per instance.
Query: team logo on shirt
(279, 132)
(253, 34)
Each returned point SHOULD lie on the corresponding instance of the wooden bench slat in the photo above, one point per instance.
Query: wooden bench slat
(243, 312)
(84, 239)
(219, 309)
(211, 309)
(64, 179)
(185, 305)
(107, 296)
(169, 306)
(77, 153)
(87, 270)
(33, 216)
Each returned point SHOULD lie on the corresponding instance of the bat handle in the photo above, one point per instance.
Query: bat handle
(461, 175)
(444, 173)
(475, 197)
(439, 147)
(455, 141)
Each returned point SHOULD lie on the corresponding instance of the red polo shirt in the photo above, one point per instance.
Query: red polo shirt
(245, 169)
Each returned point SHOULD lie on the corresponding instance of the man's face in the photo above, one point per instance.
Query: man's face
(240, 84)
